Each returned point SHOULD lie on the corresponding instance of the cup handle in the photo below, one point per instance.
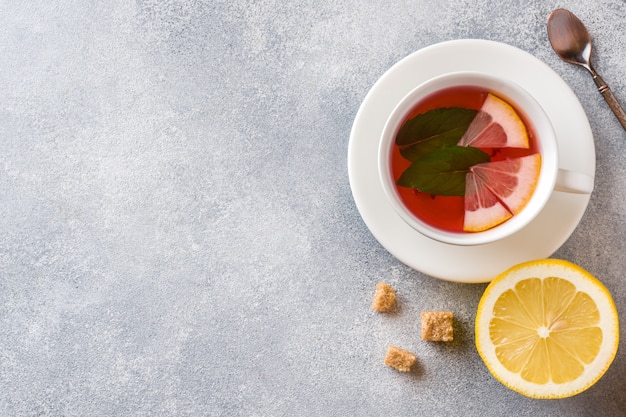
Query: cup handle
(573, 182)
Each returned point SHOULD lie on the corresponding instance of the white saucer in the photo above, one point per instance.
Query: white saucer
(471, 264)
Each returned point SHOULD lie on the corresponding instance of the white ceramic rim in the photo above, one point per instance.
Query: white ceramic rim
(480, 263)
(522, 100)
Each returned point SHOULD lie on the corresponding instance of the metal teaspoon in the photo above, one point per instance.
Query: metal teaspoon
(572, 43)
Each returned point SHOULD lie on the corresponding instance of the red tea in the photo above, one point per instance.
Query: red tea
(447, 212)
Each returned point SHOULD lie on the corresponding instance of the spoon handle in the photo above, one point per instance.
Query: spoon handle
(617, 109)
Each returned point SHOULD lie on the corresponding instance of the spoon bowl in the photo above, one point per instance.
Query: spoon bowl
(572, 43)
(569, 37)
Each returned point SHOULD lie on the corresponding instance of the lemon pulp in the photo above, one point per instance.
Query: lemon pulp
(547, 329)
(549, 338)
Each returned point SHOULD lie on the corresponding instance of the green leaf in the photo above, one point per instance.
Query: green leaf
(442, 171)
(432, 130)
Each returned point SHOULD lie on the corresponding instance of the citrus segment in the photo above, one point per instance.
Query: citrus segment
(496, 125)
(494, 191)
(482, 209)
(511, 180)
(547, 329)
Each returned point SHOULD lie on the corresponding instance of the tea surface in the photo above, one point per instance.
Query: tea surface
(441, 211)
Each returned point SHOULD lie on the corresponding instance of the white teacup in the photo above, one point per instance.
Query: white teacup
(551, 177)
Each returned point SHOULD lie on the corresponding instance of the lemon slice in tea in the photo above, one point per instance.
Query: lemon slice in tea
(496, 125)
(495, 191)
(482, 209)
(547, 329)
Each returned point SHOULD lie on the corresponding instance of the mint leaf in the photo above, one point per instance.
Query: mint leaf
(433, 130)
(442, 171)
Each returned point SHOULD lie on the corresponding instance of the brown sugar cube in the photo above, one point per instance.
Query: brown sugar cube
(437, 326)
(400, 359)
(384, 298)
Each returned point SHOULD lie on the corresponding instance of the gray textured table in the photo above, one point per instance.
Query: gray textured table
(177, 230)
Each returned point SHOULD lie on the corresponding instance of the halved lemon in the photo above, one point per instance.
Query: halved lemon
(547, 329)
(496, 125)
(495, 191)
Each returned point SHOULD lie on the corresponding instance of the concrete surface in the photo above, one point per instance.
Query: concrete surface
(177, 231)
